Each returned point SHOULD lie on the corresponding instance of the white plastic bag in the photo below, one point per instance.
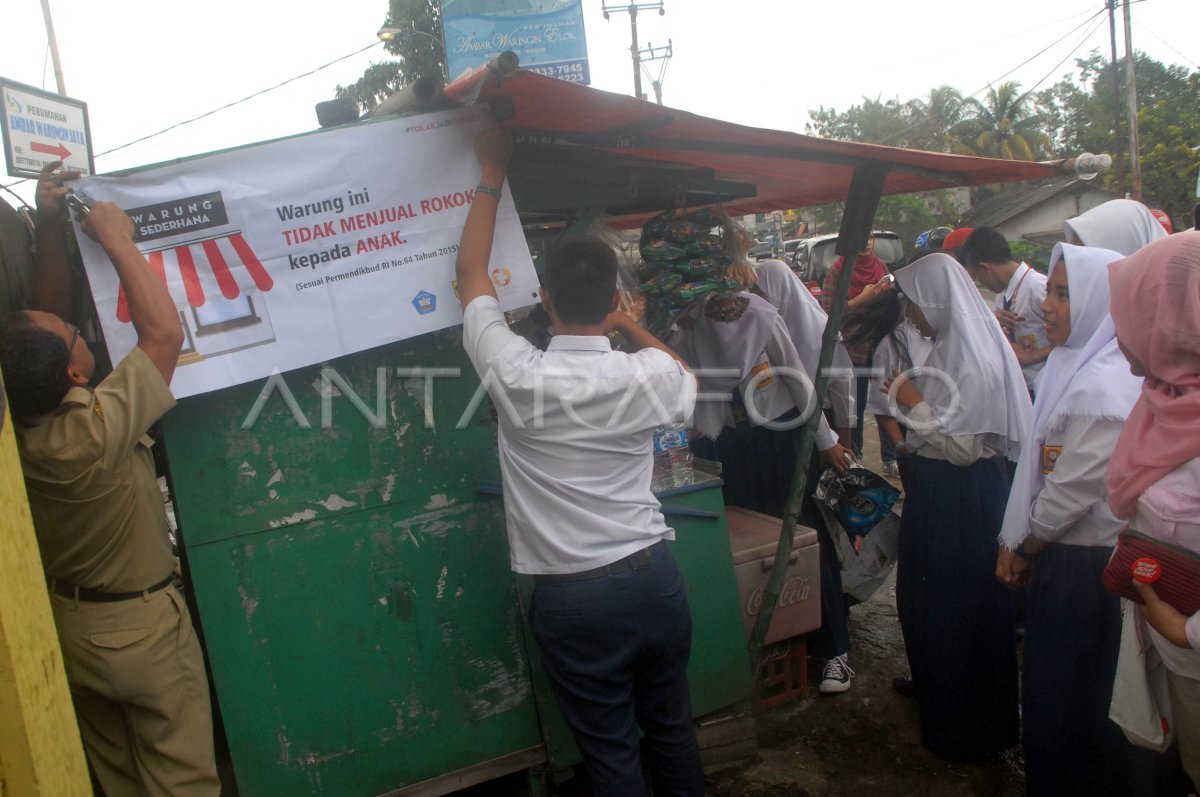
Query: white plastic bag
(1141, 705)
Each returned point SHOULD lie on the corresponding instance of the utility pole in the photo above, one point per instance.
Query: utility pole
(1135, 164)
(1119, 147)
(652, 53)
(58, 73)
(632, 9)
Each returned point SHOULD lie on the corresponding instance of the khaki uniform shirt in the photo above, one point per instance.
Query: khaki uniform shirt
(90, 476)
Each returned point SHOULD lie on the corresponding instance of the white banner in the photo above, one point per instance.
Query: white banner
(289, 253)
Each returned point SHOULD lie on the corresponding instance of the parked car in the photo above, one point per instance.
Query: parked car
(764, 251)
(813, 256)
(789, 250)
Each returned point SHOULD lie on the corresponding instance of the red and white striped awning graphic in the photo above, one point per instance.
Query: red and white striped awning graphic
(218, 264)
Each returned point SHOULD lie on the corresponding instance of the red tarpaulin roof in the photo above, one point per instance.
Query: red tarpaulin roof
(788, 169)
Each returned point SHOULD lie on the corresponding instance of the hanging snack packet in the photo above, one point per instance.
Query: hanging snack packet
(660, 283)
(696, 267)
(660, 249)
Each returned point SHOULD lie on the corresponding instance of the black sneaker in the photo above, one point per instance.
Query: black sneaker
(837, 676)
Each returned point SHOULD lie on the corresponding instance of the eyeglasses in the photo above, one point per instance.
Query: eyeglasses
(74, 336)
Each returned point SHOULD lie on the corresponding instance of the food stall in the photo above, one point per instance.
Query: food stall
(364, 633)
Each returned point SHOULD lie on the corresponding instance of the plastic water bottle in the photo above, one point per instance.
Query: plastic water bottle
(672, 458)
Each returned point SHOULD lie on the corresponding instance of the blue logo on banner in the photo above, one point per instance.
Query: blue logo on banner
(425, 303)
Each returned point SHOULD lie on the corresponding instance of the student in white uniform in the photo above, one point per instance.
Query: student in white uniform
(967, 413)
(805, 320)
(1154, 475)
(755, 395)
(1058, 535)
(1019, 289)
(1122, 225)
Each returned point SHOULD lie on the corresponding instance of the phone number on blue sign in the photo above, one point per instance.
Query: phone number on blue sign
(573, 73)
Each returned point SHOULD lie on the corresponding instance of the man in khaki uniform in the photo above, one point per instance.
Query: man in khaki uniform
(133, 662)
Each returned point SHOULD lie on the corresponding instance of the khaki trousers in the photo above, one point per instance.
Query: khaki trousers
(141, 694)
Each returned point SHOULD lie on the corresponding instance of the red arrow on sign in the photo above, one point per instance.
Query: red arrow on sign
(58, 149)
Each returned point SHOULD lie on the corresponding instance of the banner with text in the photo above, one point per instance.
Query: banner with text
(547, 35)
(289, 253)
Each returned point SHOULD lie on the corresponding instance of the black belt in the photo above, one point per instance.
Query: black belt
(96, 596)
(636, 559)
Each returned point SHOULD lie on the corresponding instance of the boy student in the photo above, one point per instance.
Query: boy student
(576, 422)
(1020, 291)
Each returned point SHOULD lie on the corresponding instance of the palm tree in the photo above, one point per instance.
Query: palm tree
(1001, 127)
(936, 117)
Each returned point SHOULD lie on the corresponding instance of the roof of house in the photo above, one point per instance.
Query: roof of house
(1006, 205)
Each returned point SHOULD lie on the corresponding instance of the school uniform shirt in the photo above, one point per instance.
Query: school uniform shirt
(1024, 296)
(888, 358)
(1169, 511)
(755, 355)
(90, 478)
(962, 450)
(805, 320)
(576, 426)
(1072, 505)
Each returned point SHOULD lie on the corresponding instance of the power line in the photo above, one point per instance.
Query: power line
(1142, 27)
(986, 86)
(239, 102)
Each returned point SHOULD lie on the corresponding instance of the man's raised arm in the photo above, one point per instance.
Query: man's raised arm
(493, 147)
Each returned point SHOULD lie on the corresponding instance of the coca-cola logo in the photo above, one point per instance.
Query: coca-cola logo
(795, 590)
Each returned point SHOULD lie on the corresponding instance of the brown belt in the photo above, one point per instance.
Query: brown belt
(636, 559)
(96, 596)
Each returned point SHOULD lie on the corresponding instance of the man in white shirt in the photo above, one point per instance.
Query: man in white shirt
(608, 611)
(1020, 291)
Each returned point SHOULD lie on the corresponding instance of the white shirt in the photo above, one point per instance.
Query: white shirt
(776, 388)
(962, 450)
(1072, 505)
(576, 424)
(1169, 511)
(1024, 296)
(888, 358)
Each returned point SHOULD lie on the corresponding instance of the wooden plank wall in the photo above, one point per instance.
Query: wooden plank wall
(40, 751)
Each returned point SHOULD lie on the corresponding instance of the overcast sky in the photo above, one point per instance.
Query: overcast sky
(142, 66)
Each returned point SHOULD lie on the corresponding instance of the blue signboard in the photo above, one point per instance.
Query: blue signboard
(547, 35)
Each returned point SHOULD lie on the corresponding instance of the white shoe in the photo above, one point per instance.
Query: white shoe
(837, 676)
(891, 469)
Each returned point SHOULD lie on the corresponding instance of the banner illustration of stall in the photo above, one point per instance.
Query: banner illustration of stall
(292, 252)
(547, 35)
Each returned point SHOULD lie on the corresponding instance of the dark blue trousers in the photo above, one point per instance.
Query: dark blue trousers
(1073, 633)
(615, 650)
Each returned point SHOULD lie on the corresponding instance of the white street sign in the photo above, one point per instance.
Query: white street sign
(40, 127)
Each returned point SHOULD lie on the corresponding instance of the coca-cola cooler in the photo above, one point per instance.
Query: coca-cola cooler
(754, 537)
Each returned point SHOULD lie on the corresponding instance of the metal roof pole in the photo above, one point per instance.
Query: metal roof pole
(866, 188)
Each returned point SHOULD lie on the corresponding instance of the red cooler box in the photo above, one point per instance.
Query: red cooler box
(754, 537)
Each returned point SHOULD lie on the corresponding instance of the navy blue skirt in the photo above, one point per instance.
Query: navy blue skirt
(1073, 632)
(958, 622)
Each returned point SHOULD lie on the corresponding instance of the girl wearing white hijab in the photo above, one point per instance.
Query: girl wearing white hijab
(967, 410)
(1122, 225)
(805, 320)
(1058, 513)
(739, 346)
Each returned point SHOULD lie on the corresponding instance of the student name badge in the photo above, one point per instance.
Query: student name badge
(1050, 455)
(762, 375)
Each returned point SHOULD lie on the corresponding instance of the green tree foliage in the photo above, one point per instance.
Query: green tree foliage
(420, 53)
(1005, 125)
(1075, 115)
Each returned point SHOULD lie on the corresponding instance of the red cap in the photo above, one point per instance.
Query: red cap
(956, 239)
